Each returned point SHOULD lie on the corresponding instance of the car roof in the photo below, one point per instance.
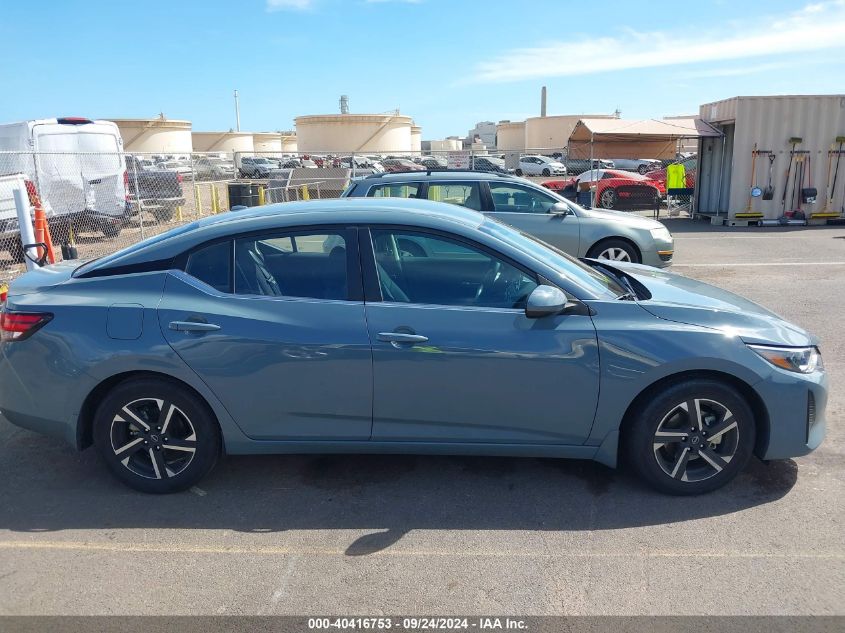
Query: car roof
(422, 213)
(439, 174)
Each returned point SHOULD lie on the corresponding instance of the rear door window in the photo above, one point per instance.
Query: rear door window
(395, 190)
(293, 264)
(465, 194)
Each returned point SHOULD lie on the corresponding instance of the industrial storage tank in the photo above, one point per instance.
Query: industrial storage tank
(378, 133)
(289, 145)
(553, 132)
(510, 136)
(159, 135)
(230, 142)
(267, 142)
(416, 138)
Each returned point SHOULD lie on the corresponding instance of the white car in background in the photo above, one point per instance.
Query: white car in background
(537, 165)
(639, 165)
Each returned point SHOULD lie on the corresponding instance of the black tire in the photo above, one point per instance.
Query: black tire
(608, 199)
(547, 173)
(111, 230)
(614, 243)
(164, 214)
(118, 431)
(642, 170)
(652, 460)
(518, 171)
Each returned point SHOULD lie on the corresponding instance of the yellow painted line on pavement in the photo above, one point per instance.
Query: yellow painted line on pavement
(277, 551)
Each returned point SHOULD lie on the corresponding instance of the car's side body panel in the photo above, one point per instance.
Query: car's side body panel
(284, 368)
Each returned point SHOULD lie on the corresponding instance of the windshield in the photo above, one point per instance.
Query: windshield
(579, 273)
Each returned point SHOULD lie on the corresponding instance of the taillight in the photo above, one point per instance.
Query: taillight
(179, 178)
(16, 326)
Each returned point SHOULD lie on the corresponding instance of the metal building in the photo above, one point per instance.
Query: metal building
(768, 124)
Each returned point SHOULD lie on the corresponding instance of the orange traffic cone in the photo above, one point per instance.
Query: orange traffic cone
(42, 233)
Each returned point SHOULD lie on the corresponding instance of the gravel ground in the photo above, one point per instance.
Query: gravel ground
(374, 535)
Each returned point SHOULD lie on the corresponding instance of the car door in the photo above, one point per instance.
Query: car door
(455, 359)
(529, 210)
(274, 325)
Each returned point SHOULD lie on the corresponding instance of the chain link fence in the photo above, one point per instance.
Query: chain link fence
(102, 202)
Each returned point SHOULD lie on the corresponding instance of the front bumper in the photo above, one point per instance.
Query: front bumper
(796, 405)
(660, 253)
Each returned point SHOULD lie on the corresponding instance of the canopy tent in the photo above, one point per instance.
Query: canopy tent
(634, 138)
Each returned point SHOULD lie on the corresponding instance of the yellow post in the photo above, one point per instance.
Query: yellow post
(215, 201)
(305, 194)
(179, 212)
(261, 194)
(197, 199)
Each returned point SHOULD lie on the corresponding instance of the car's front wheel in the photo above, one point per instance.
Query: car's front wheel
(616, 250)
(518, 171)
(692, 437)
(607, 199)
(642, 170)
(156, 436)
(547, 172)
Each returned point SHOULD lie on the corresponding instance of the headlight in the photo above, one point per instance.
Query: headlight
(803, 360)
(661, 233)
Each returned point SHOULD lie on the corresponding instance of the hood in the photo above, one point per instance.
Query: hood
(621, 217)
(684, 300)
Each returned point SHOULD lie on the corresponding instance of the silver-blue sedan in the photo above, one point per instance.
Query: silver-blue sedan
(398, 326)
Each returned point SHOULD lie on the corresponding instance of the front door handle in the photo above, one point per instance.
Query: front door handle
(193, 326)
(401, 337)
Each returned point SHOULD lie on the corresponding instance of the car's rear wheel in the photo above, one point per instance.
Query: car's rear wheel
(607, 199)
(691, 438)
(156, 436)
(165, 213)
(614, 250)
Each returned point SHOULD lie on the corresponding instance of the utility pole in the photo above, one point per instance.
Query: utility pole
(237, 113)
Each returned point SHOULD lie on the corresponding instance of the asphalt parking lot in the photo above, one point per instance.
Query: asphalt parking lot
(373, 535)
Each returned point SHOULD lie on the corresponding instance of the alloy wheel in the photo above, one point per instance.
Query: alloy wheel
(616, 254)
(696, 440)
(153, 438)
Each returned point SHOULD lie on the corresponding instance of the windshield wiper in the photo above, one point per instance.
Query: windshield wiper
(623, 281)
(631, 294)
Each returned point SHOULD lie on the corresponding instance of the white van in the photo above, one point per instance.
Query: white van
(77, 168)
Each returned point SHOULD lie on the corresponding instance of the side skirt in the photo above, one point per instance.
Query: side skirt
(255, 447)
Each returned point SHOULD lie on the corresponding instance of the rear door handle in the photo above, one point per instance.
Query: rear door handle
(193, 326)
(401, 337)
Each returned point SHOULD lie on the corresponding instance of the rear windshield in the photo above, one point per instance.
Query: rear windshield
(102, 262)
(92, 153)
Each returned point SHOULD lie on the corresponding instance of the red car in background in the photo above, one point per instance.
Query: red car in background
(659, 175)
(400, 164)
(615, 189)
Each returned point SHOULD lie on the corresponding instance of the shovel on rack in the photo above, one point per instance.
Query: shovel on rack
(769, 191)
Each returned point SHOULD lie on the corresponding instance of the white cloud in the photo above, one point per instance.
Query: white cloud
(289, 5)
(815, 27)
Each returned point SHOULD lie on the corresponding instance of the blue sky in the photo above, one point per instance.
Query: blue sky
(447, 63)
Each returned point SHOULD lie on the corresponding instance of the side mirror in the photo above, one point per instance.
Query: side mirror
(559, 208)
(545, 301)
